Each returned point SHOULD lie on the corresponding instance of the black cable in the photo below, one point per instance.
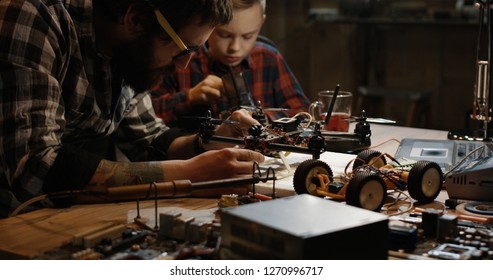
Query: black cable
(235, 85)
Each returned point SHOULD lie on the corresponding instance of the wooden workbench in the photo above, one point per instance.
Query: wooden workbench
(31, 234)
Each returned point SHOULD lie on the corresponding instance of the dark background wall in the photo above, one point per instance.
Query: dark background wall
(420, 45)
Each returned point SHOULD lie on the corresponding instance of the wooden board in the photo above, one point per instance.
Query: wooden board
(29, 235)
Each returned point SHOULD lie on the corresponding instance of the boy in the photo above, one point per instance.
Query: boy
(233, 46)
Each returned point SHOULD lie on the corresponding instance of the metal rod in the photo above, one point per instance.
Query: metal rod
(488, 91)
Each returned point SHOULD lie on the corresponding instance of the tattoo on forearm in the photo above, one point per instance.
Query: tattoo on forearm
(132, 173)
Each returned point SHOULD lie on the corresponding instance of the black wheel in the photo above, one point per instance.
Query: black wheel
(366, 190)
(305, 177)
(425, 181)
(370, 157)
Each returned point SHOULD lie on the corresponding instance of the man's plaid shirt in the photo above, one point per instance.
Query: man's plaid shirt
(56, 89)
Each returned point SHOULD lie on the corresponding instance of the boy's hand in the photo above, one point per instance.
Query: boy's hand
(206, 91)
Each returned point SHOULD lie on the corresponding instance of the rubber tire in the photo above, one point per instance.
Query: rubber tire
(425, 181)
(303, 176)
(357, 191)
(366, 156)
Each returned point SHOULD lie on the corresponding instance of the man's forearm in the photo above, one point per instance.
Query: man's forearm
(109, 174)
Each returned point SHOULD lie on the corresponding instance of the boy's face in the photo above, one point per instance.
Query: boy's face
(230, 43)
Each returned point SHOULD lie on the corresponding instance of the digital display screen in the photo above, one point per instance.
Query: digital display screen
(442, 153)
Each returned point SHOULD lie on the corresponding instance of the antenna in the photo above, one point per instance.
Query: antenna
(332, 103)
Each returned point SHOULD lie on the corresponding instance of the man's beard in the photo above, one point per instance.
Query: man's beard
(134, 59)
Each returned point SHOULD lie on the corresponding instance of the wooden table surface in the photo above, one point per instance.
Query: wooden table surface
(31, 234)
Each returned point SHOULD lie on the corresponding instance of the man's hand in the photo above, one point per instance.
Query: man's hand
(222, 164)
(216, 165)
(212, 165)
(207, 91)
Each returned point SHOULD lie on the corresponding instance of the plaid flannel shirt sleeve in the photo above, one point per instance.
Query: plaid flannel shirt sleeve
(139, 128)
(35, 41)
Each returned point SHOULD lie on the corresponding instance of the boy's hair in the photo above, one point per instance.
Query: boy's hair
(179, 13)
(245, 4)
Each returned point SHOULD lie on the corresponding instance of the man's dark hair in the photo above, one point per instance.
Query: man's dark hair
(178, 12)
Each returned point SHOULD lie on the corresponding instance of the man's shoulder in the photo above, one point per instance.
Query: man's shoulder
(27, 9)
(39, 4)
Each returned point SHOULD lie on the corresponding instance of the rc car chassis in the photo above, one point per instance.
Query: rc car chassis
(371, 177)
